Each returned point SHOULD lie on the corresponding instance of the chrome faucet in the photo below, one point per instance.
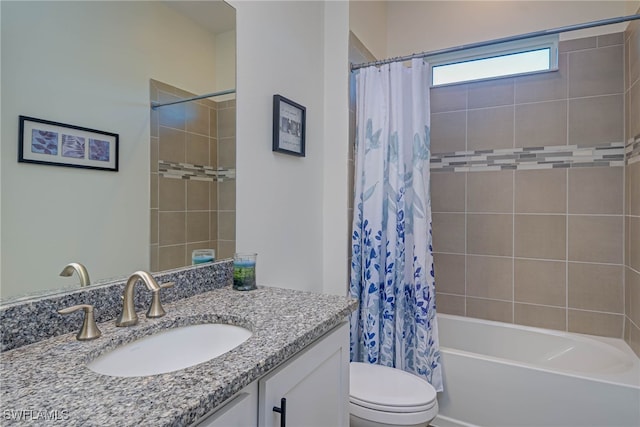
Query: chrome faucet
(83, 274)
(128, 317)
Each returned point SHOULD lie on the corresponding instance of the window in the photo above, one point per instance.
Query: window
(498, 60)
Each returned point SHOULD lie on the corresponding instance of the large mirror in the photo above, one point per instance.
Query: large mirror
(98, 65)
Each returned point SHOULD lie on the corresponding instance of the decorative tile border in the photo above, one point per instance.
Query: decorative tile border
(557, 156)
(195, 172)
(632, 150)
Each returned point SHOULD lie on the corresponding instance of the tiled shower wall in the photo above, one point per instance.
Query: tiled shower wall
(632, 181)
(192, 178)
(358, 54)
(528, 194)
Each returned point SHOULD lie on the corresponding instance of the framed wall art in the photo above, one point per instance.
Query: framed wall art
(58, 144)
(288, 126)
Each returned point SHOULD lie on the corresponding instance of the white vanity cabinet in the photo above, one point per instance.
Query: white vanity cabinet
(239, 411)
(314, 382)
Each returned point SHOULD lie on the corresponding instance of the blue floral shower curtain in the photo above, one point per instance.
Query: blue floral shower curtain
(392, 262)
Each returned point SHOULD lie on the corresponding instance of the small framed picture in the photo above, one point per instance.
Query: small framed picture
(288, 126)
(58, 144)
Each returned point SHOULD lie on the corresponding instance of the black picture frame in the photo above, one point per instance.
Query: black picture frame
(58, 144)
(289, 124)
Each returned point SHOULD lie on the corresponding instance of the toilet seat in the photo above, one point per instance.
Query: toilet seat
(388, 395)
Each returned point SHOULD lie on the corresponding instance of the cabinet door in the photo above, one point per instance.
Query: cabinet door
(240, 411)
(314, 383)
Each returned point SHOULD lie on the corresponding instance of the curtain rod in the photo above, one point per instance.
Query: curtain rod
(558, 30)
(155, 105)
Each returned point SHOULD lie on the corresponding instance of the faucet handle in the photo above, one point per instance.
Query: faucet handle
(89, 330)
(156, 310)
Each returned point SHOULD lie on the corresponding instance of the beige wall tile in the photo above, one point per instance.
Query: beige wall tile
(197, 152)
(541, 124)
(490, 192)
(540, 282)
(611, 39)
(153, 191)
(448, 191)
(634, 338)
(213, 152)
(596, 120)
(596, 287)
(596, 72)
(227, 123)
(171, 257)
(227, 153)
(627, 240)
(596, 190)
(450, 304)
(595, 239)
(543, 86)
(578, 44)
(634, 56)
(197, 227)
(154, 147)
(540, 316)
(634, 110)
(172, 194)
(541, 191)
(153, 258)
(634, 242)
(153, 226)
(213, 123)
(540, 236)
(491, 93)
(490, 128)
(154, 123)
(490, 277)
(594, 323)
(227, 225)
(198, 195)
(213, 226)
(448, 98)
(172, 145)
(227, 196)
(197, 118)
(172, 228)
(489, 234)
(448, 232)
(448, 132)
(172, 115)
(450, 273)
(633, 184)
(632, 290)
(627, 108)
(500, 311)
(213, 196)
(227, 248)
(627, 329)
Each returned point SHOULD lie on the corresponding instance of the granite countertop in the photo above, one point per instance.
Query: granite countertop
(51, 376)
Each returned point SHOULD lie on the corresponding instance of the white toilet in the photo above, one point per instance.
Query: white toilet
(381, 396)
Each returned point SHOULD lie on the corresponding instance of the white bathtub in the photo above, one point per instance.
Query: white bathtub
(499, 374)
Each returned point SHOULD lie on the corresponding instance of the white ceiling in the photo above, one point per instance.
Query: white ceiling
(216, 16)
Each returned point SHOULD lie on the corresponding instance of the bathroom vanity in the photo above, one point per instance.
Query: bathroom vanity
(298, 351)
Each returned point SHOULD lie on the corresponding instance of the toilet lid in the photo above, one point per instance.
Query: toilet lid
(384, 388)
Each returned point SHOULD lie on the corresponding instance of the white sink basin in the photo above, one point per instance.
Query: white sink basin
(170, 350)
